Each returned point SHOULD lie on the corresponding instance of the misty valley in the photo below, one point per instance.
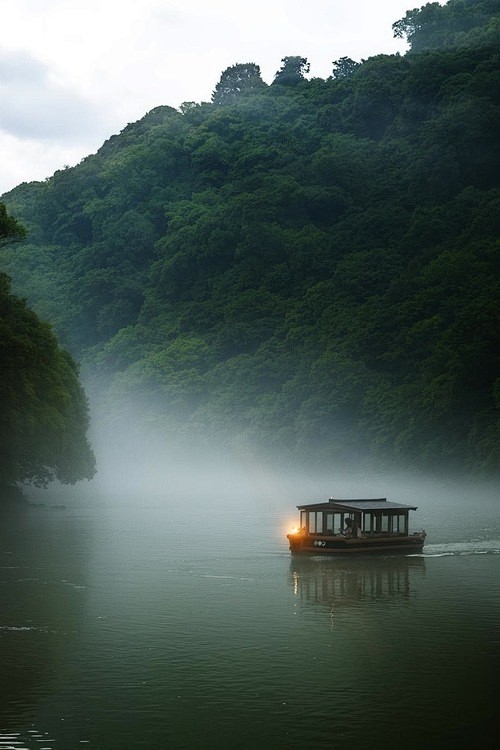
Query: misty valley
(243, 317)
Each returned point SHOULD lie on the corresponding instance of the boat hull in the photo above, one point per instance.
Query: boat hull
(319, 544)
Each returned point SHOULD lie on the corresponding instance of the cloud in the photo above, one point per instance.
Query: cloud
(36, 105)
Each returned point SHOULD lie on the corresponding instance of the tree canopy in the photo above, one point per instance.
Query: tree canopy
(10, 229)
(44, 410)
(239, 79)
(292, 71)
(459, 23)
(343, 67)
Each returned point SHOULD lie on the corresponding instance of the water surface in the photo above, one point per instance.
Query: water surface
(181, 622)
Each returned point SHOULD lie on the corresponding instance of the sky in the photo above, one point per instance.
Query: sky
(75, 72)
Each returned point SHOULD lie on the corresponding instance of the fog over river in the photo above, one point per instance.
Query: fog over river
(162, 609)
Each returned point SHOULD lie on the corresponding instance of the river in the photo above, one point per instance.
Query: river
(181, 621)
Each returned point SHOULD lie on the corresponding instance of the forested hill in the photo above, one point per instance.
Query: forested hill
(43, 407)
(310, 266)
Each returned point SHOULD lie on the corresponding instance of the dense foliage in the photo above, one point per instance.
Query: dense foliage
(43, 407)
(312, 264)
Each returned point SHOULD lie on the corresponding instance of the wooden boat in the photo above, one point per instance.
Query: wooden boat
(344, 527)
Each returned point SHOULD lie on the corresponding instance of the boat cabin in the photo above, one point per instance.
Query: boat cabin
(364, 516)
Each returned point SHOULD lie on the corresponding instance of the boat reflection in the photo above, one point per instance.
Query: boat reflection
(351, 582)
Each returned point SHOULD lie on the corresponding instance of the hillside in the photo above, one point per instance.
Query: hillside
(309, 266)
(44, 409)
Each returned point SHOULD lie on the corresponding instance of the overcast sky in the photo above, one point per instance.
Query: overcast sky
(73, 72)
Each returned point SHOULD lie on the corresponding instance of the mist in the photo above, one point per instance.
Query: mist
(143, 465)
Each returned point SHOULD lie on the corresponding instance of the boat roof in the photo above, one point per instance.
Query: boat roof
(365, 505)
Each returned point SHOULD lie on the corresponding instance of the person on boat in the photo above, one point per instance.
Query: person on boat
(348, 527)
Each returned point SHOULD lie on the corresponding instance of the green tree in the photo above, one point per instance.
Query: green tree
(10, 229)
(292, 71)
(239, 79)
(458, 23)
(419, 26)
(344, 67)
(44, 409)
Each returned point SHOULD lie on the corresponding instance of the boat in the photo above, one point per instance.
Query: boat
(346, 527)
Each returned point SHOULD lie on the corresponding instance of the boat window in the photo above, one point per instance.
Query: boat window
(399, 523)
(394, 522)
(316, 522)
(303, 519)
(369, 522)
(319, 522)
(330, 526)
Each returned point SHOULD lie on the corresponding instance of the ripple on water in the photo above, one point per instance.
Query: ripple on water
(28, 740)
(487, 547)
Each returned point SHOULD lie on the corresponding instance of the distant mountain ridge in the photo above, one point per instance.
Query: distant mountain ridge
(310, 266)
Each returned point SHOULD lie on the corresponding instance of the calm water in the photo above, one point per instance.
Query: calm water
(171, 622)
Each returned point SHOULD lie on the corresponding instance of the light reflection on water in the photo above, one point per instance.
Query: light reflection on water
(140, 625)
